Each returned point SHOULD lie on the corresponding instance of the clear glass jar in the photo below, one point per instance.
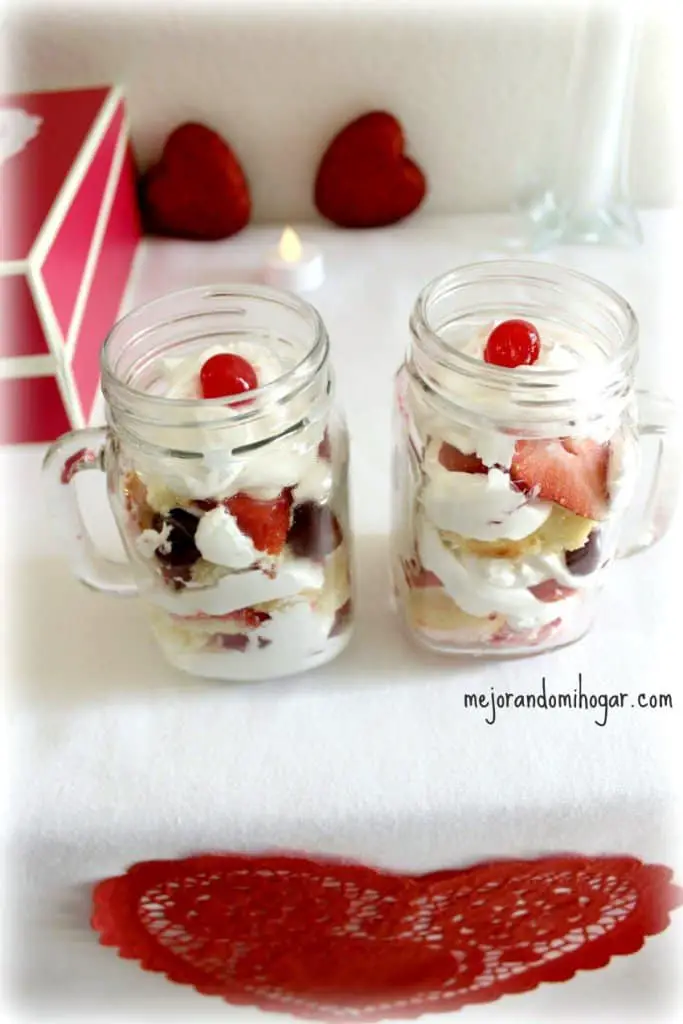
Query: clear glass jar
(510, 485)
(233, 511)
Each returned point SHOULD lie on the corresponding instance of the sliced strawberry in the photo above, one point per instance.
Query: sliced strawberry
(455, 461)
(417, 576)
(506, 637)
(342, 618)
(572, 472)
(325, 448)
(250, 618)
(266, 522)
(550, 590)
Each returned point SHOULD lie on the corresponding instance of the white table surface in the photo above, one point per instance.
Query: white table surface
(117, 758)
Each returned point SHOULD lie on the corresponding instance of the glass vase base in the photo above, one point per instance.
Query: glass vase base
(544, 223)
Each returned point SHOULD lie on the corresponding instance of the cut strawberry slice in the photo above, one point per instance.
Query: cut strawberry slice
(325, 447)
(455, 461)
(249, 618)
(266, 522)
(572, 472)
(342, 618)
(506, 637)
(418, 577)
(550, 590)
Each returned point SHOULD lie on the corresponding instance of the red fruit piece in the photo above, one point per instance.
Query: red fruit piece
(550, 590)
(266, 522)
(586, 559)
(506, 637)
(325, 447)
(513, 343)
(251, 618)
(418, 577)
(342, 618)
(177, 576)
(227, 374)
(571, 472)
(197, 189)
(455, 461)
(364, 179)
(233, 641)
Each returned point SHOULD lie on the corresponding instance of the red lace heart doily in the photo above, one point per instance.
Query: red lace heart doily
(344, 942)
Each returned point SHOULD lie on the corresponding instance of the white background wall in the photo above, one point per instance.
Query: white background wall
(478, 86)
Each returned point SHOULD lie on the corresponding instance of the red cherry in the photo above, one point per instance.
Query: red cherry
(226, 374)
(513, 343)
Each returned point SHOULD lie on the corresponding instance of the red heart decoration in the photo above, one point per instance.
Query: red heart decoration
(197, 189)
(364, 179)
(344, 942)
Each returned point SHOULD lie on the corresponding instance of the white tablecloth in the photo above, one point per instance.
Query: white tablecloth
(116, 758)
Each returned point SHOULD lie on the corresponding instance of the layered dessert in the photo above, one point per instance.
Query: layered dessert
(240, 539)
(502, 538)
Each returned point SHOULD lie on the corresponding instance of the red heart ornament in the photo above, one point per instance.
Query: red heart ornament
(197, 189)
(364, 179)
(344, 942)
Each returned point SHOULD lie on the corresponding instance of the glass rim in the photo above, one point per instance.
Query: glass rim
(114, 387)
(506, 270)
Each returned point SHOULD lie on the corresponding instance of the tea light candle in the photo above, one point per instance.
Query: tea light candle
(293, 266)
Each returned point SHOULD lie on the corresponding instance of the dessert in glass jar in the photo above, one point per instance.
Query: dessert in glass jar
(517, 430)
(227, 471)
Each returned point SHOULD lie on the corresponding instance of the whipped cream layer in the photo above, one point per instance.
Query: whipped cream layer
(296, 638)
(486, 586)
(240, 590)
(267, 662)
(218, 448)
(484, 506)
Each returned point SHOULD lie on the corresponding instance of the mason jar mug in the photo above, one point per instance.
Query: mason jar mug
(517, 453)
(226, 463)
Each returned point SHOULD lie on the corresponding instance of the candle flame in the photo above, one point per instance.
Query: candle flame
(290, 246)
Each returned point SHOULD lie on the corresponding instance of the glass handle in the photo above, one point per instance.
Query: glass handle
(69, 455)
(656, 420)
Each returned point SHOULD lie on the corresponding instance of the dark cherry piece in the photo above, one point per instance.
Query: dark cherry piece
(234, 641)
(585, 559)
(315, 531)
(183, 550)
(177, 577)
(205, 504)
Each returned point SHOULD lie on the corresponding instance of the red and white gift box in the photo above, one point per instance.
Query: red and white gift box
(69, 228)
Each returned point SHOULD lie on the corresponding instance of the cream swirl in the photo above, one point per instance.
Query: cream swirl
(240, 590)
(481, 589)
(484, 506)
(225, 454)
